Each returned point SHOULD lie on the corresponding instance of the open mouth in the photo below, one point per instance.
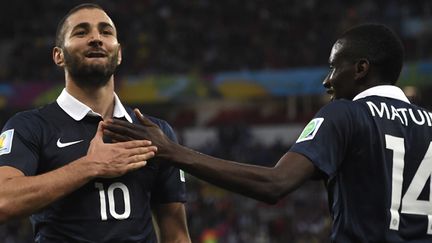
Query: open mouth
(330, 91)
(95, 54)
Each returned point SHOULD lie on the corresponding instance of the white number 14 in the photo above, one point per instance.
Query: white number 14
(410, 203)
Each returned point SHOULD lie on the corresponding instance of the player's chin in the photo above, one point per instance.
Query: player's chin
(99, 65)
(332, 97)
(335, 96)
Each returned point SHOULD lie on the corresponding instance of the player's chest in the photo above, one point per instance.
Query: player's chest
(65, 143)
(70, 141)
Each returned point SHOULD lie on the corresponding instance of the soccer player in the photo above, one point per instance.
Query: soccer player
(370, 146)
(56, 164)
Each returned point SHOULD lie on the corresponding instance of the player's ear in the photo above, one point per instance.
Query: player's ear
(58, 56)
(362, 68)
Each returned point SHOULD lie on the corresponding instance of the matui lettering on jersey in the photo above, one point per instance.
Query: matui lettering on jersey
(406, 116)
(375, 155)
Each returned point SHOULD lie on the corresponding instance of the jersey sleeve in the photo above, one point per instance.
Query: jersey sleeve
(170, 182)
(326, 137)
(20, 144)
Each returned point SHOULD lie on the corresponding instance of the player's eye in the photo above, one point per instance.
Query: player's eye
(79, 33)
(107, 32)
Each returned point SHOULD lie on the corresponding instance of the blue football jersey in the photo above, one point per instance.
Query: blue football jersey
(103, 210)
(375, 154)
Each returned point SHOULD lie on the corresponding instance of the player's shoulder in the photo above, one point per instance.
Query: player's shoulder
(160, 122)
(32, 122)
(344, 111)
(32, 116)
(164, 125)
(340, 107)
(340, 103)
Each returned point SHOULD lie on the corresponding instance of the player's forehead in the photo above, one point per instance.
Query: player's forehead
(91, 16)
(338, 47)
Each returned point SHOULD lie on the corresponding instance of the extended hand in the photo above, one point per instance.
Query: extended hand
(116, 159)
(122, 131)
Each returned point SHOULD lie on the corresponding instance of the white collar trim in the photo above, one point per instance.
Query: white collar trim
(78, 110)
(389, 91)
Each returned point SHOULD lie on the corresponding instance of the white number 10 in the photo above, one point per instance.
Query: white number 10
(410, 203)
(111, 201)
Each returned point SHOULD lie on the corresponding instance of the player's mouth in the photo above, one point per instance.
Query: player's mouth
(95, 54)
(331, 92)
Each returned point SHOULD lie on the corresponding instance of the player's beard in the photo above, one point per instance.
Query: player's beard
(90, 75)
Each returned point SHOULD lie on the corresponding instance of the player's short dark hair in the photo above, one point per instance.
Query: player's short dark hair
(380, 45)
(59, 41)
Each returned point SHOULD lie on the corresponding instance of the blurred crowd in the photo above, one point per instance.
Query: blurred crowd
(208, 36)
(182, 36)
(217, 216)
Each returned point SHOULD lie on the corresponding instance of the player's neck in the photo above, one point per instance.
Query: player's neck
(99, 99)
(371, 81)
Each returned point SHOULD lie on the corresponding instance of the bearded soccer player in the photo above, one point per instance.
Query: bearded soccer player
(370, 145)
(56, 166)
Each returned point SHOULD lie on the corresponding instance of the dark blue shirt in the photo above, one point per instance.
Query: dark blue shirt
(376, 158)
(103, 210)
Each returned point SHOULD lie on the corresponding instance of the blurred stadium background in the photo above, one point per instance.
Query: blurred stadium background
(236, 78)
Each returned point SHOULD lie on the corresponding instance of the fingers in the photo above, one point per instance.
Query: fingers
(142, 150)
(137, 112)
(116, 137)
(118, 125)
(120, 130)
(99, 132)
(112, 160)
(134, 144)
(140, 157)
(136, 166)
(143, 120)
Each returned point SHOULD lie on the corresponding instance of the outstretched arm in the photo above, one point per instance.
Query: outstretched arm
(267, 184)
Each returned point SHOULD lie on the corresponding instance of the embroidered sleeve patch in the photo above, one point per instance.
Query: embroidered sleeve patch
(310, 130)
(6, 141)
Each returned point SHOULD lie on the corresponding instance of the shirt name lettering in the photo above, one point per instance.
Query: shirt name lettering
(403, 115)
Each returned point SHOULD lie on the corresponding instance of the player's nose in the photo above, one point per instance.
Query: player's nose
(326, 82)
(95, 39)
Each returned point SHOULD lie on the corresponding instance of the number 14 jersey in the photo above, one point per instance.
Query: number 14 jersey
(375, 154)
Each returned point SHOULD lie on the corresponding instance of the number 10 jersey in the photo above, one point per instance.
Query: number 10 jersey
(103, 210)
